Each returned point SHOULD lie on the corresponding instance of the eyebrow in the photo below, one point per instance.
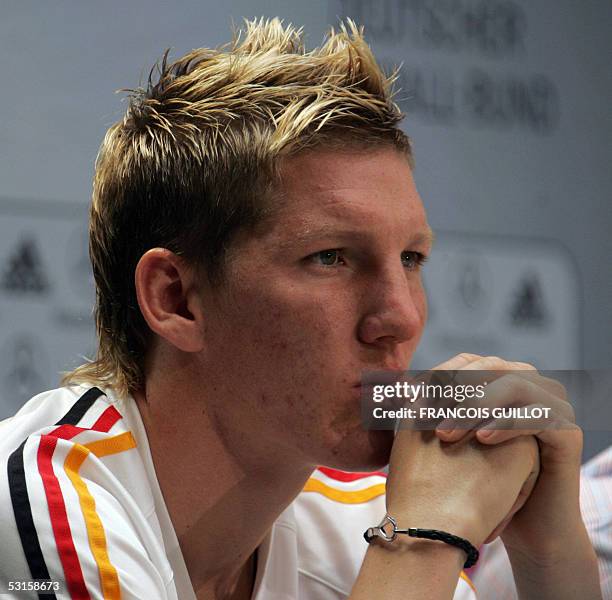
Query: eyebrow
(422, 237)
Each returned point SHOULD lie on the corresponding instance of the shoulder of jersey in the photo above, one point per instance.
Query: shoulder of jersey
(77, 404)
(48, 442)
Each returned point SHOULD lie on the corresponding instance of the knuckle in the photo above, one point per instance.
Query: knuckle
(516, 386)
(558, 389)
(524, 366)
(467, 356)
(492, 363)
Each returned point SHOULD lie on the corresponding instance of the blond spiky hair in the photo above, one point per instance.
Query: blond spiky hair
(197, 156)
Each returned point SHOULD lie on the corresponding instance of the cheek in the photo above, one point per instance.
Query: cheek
(290, 332)
(301, 332)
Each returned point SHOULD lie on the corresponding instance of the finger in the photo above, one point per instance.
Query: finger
(452, 366)
(527, 371)
(495, 363)
(457, 362)
(559, 444)
(524, 420)
(513, 391)
(474, 362)
(509, 391)
(490, 368)
(447, 370)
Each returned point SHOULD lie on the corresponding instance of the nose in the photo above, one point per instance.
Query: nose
(395, 309)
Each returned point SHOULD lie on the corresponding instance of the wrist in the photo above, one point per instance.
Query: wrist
(387, 531)
(408, 568)
(452, 556)
(548, 551)
(568, 573)
(462, 523)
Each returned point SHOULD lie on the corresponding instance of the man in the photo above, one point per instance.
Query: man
(256, 239)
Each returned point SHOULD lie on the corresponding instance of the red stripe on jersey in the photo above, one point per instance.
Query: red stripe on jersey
(104, 423)
(59, 519)
(57, 509)
(107, 419)
(346, 476)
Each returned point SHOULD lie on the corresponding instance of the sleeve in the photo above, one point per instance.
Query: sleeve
(596, 505)
(71, 520)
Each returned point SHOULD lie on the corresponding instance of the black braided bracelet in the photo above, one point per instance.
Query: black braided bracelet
(430, 534)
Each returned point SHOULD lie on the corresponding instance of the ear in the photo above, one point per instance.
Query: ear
(168, 299)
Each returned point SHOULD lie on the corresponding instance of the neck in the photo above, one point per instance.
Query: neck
(223, 488)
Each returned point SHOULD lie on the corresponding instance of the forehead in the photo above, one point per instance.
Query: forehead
(329, 189)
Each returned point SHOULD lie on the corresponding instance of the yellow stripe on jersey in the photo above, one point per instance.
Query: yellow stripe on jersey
(464, 576)
(112, 445)
(346, 497)
(109, 580)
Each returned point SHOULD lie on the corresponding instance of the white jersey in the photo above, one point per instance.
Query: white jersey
(81, 506)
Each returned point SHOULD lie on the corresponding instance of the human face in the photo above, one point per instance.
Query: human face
(329, 287)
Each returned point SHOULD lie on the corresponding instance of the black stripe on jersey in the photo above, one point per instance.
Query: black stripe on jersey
(23, 516)
(21, 499)
(80, 407)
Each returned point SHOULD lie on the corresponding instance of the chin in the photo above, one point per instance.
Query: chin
(365, 451)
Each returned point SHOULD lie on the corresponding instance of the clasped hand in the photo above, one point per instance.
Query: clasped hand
(492, 478)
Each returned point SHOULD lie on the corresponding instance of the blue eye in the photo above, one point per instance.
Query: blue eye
(327, 258)
(333, 258)
(413, 260)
